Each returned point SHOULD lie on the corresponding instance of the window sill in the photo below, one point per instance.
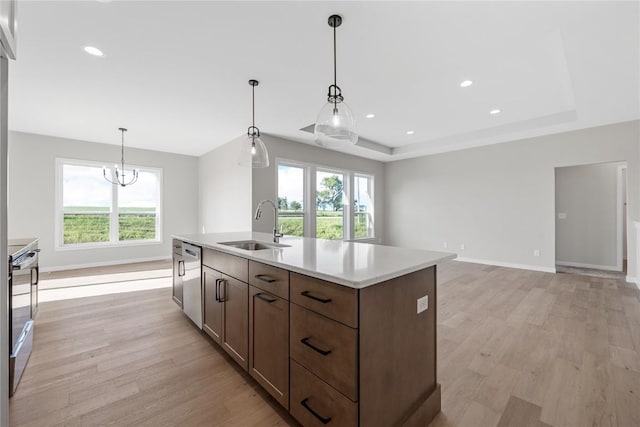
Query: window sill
(107, 245)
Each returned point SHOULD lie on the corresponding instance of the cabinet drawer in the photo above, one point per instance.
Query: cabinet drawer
(314, 403)
(326, 348)
(230, 265)
(334, 301)
(269, 278)
(177, 247)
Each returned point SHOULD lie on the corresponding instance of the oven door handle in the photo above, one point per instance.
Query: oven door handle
(32, 257)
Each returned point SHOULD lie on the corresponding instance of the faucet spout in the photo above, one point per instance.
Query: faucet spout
(276, 234)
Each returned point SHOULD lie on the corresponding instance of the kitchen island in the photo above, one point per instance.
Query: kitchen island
(339, 333)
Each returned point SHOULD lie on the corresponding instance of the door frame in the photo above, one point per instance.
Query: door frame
(620, 197)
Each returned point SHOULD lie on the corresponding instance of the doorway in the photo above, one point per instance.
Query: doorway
(591, 219)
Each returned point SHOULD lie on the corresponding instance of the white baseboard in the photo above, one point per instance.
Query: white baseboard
(101, 264)
(631, 279)
(507, 264)
(593, 266)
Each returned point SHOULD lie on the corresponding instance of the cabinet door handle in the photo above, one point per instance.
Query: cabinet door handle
(218, 290)
(221, 284)
(322, 419)
(181, 268)
(265, 298)
(308, 295)
(306, 342)
(265, 278)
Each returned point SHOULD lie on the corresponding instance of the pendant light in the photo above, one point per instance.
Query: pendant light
(254, 152)
(335, 124)
(121, 175)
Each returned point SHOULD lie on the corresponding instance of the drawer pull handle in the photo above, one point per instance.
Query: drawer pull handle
(265, 298)
(264, 278)
(322, 419)
(306, 342)
(308, 295)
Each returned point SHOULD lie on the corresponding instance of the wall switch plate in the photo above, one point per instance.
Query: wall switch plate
(462, 247)
(423, 303)
(536, 252)
(562, 215)
(445, 245)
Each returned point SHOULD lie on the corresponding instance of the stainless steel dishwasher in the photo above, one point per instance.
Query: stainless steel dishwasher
(192, 283)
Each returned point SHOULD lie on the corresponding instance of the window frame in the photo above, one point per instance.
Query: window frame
(310, 194)
(371, 190)
(113, 209)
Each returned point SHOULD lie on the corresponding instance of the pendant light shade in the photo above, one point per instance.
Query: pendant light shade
(335, 124)
(254, 151)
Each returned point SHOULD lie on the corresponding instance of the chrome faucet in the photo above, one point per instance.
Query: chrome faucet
(276, 234)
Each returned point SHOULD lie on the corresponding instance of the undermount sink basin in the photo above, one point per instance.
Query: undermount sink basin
(254, 245)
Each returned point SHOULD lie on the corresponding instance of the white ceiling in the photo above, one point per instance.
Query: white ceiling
(175, 73)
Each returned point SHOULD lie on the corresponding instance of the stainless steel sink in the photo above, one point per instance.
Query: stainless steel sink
(254, 245)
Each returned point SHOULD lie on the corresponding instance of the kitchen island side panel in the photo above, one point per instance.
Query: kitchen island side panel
(397, 349)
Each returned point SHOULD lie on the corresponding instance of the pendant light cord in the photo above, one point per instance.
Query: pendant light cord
(335, 67)
(253, 106)
(335, 71)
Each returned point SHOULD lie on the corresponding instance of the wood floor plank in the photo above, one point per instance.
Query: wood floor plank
(520, 413)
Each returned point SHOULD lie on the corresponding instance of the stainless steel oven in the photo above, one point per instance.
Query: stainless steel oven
(23, 306)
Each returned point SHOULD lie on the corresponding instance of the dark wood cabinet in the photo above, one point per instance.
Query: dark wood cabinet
(269, 343)
(326, 352)
(213, 307)
(226, 310)
(315, 403)
(327, 348)
(235, 323)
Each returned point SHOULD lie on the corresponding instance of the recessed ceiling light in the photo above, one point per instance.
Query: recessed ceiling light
(93, 51)
(466, 83)
(410, 132)
(496, 111)
(370, 116)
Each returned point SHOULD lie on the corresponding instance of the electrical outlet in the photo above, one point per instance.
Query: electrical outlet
(445, 245)
(462, 247)
(536, 252)
(562, 215)
(423, 303)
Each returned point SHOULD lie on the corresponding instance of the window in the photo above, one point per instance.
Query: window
(329, 205)
(291, 208)
(96, 212)
(335, 211)
(362, 206)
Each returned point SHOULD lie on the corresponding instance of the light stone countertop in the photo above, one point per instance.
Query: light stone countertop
(353, 264)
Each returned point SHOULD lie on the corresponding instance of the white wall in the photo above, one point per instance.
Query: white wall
(32, 161)
(225, 190)
(587, 197)
(264, 180)
(499, 200)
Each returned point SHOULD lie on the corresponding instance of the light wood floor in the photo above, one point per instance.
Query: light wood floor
(515, 348)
